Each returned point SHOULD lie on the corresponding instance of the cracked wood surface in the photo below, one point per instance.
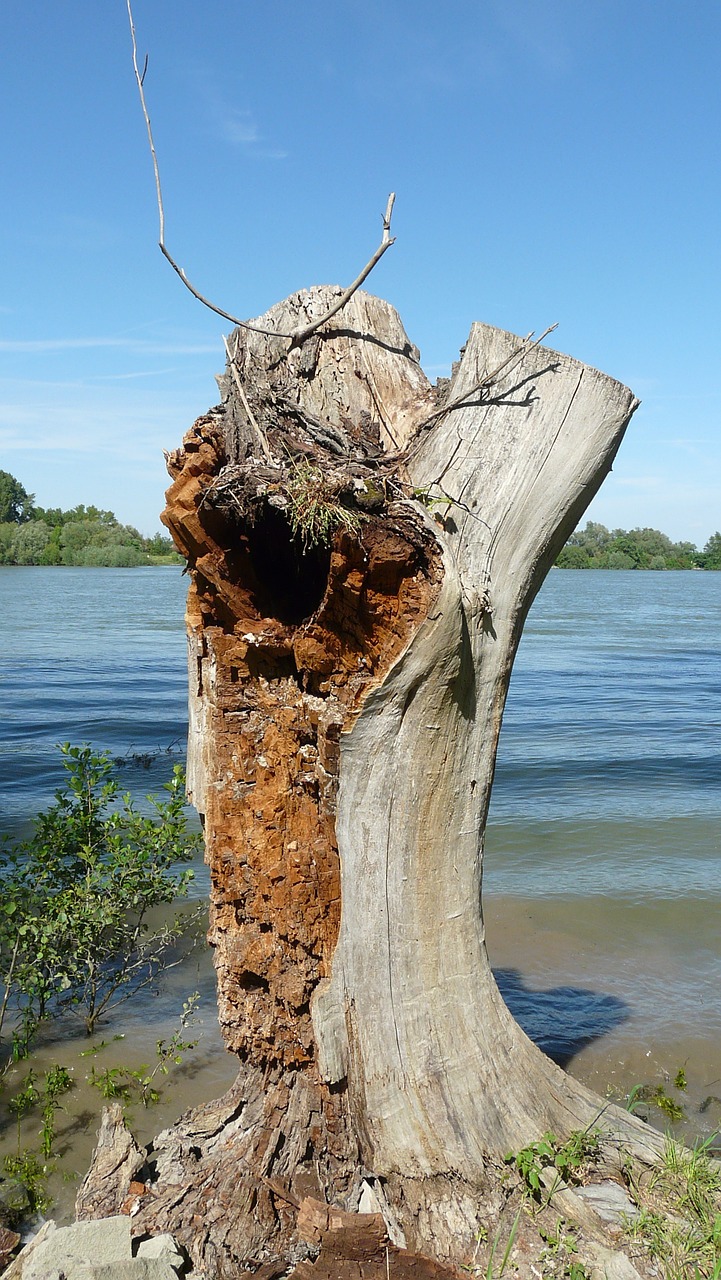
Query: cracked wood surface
(412, 1015)
(345, 707)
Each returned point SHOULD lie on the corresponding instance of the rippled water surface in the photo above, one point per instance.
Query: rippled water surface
(603, 875)
(91, 655)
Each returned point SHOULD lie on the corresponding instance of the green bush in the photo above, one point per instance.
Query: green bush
(619, 560)
(75, 899)
(597, 547)
(30, 541)
(573, 557)
(82, 536)
(111, 556)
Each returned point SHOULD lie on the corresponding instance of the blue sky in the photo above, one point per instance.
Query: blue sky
(552, 162)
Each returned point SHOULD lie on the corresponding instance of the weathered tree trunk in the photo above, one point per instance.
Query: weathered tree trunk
(346, 702)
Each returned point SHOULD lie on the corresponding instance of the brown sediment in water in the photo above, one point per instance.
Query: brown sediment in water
(589, 979)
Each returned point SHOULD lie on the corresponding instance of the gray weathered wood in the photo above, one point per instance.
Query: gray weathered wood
(412, 1014)
(378, 1052)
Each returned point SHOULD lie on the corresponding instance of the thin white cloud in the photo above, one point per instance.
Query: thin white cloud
(638, 482)
(93, 422)
(699, 449)
(235, 125)
(238, 127)
(29, 345)
(96, 439)
(127, 377)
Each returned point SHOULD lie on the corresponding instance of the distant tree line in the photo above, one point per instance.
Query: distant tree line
(82, 536)
(88, 536)
(597, 547)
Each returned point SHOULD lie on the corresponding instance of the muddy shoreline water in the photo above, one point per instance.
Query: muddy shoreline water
(543, 957)
(603, 881)
(614, 1028)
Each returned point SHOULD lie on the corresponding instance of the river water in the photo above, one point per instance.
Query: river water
(603, 877)
(603, 874)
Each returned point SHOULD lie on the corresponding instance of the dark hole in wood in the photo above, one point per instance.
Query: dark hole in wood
(248, 981)
(291, 582)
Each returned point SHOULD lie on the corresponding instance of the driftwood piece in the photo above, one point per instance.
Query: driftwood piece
(116, 1160)
(345, 705)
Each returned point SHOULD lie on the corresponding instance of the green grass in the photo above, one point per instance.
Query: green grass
(679, 1226)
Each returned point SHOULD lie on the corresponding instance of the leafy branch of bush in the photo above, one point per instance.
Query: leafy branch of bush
(26, 1172)
(74, 931)
(44, 1093)
(125, 1082)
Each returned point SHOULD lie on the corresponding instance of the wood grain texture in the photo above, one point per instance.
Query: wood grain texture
(345, 707)
(412, 1015)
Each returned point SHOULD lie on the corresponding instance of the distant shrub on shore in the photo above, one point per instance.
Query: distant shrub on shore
(84, 536)
(596, 547)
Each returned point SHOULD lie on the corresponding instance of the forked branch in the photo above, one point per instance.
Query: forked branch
(297, 336)
(525, 345)
(386, 242)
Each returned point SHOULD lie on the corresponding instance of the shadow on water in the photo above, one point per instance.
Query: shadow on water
(562, 1020)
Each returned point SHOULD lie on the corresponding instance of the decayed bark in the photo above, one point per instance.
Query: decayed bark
(345, 710)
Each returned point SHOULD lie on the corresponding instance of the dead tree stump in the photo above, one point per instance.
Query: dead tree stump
(363, 550)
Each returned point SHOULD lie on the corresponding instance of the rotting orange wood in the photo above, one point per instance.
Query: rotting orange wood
(355, 1246)
(277, 694)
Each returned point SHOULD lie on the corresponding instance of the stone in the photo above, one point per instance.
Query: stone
(132, 1269)
(610, 1200)
(161, 1247)
(16, 1269)
(609, 1264)
(68, 1249)
(14, 1201)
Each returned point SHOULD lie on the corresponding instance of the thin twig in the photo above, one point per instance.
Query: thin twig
(488, 379)
(386, 242)
(297, 336)
(8, 980)
(244, 399)
(140, 81)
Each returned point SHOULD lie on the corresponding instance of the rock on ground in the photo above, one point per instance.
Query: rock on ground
(101, 1249)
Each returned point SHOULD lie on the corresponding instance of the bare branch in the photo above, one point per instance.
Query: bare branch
(241, 392)
(385, 243)
(140, 78)
(488, 379)
(298, 335)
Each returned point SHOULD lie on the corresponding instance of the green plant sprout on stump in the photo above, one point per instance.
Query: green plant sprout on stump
(567, 1158)
(314, 508)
